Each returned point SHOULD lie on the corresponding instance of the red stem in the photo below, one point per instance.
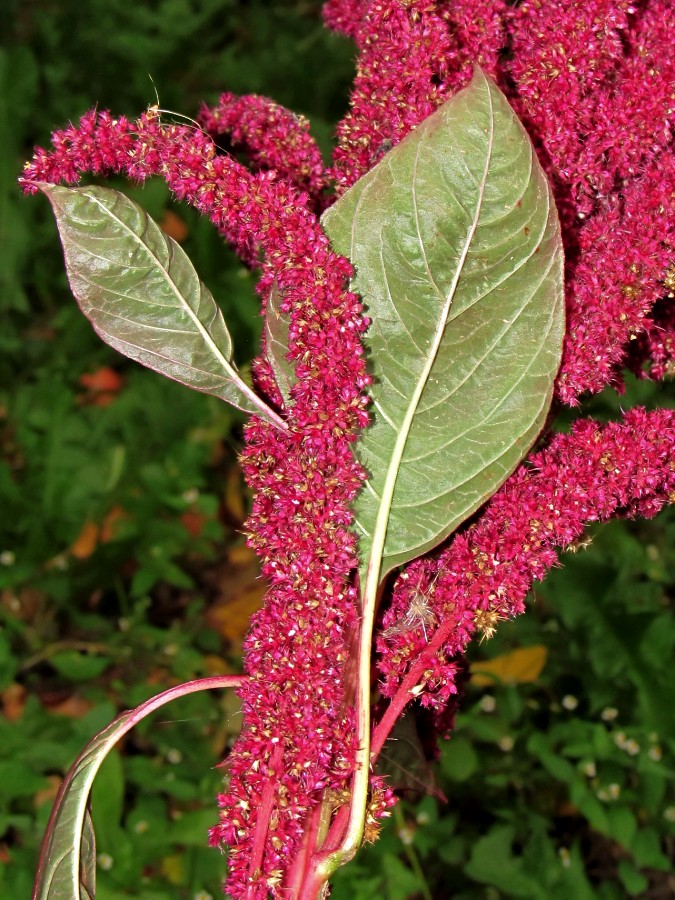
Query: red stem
(381, 732)
(262, 823)
(337, 830)
(403, 695)
(297, 881)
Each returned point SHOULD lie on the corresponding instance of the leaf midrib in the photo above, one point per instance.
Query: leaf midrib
(231, 371)
(229, 368)
(384, 509)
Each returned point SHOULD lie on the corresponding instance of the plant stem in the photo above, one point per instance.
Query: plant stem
(264, 410)
(409, 851)
(296, 881)
(326, 864)
(263, 821)
(404, 694)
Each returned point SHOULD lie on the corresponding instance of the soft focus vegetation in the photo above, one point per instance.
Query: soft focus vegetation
(123, 569)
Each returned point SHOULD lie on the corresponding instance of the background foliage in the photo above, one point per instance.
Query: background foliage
(122, 569)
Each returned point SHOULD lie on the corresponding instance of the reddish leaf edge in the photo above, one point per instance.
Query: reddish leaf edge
(102, 743)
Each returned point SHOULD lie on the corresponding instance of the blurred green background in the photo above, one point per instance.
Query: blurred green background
(123, 569)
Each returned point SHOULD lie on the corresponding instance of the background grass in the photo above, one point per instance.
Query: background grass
(122, 568)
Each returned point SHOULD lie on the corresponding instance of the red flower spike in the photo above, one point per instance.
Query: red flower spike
(273, 137)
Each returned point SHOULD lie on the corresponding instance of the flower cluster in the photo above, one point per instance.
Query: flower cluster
(272, 137)
(298, 738)
(593, 83)
(412, 56)
(593, 474)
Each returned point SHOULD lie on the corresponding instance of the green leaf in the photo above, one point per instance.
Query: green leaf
(142, 294)
(647, 852)
(277, 324)
(635, 882)
(107, 799)
(67, 858)
(622, 825)
(459, 260)
(459, 759)
(493, 862)
(78, 666)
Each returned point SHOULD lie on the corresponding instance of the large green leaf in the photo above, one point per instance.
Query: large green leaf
(142, 294)
(458, 256)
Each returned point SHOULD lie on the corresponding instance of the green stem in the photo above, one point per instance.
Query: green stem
(409, 851)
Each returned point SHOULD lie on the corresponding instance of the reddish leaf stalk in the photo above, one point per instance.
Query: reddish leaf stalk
(263, 819)
(299, 878)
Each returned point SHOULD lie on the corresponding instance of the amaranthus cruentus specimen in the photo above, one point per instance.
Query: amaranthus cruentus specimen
(592, 83)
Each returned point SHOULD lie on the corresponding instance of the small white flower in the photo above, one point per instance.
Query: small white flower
(487, 703)
(621, 739)
(105, 861)
(174, 756)
(7, 558)
(589, 769)
(406, 835)
(632, 747)
(611, 792)
(655, 753)
(505, 743)
(422, 818)
(59, 562)
(669, 814)
(141, 827)
(202, 895)
(565, 857)
(570, 702)
(191, 495)
(609, 713)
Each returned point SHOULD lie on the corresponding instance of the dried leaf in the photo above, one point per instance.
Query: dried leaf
(521, 666)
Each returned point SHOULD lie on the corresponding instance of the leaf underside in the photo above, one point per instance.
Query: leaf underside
(142, 294)
(456, 244)
(277, 324)
(67, 869)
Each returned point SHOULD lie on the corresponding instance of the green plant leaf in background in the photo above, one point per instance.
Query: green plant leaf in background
(143, 296)
(458, 256)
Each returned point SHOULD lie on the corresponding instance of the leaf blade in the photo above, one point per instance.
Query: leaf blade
(277, 327)
(142, 294)
(458, 257)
